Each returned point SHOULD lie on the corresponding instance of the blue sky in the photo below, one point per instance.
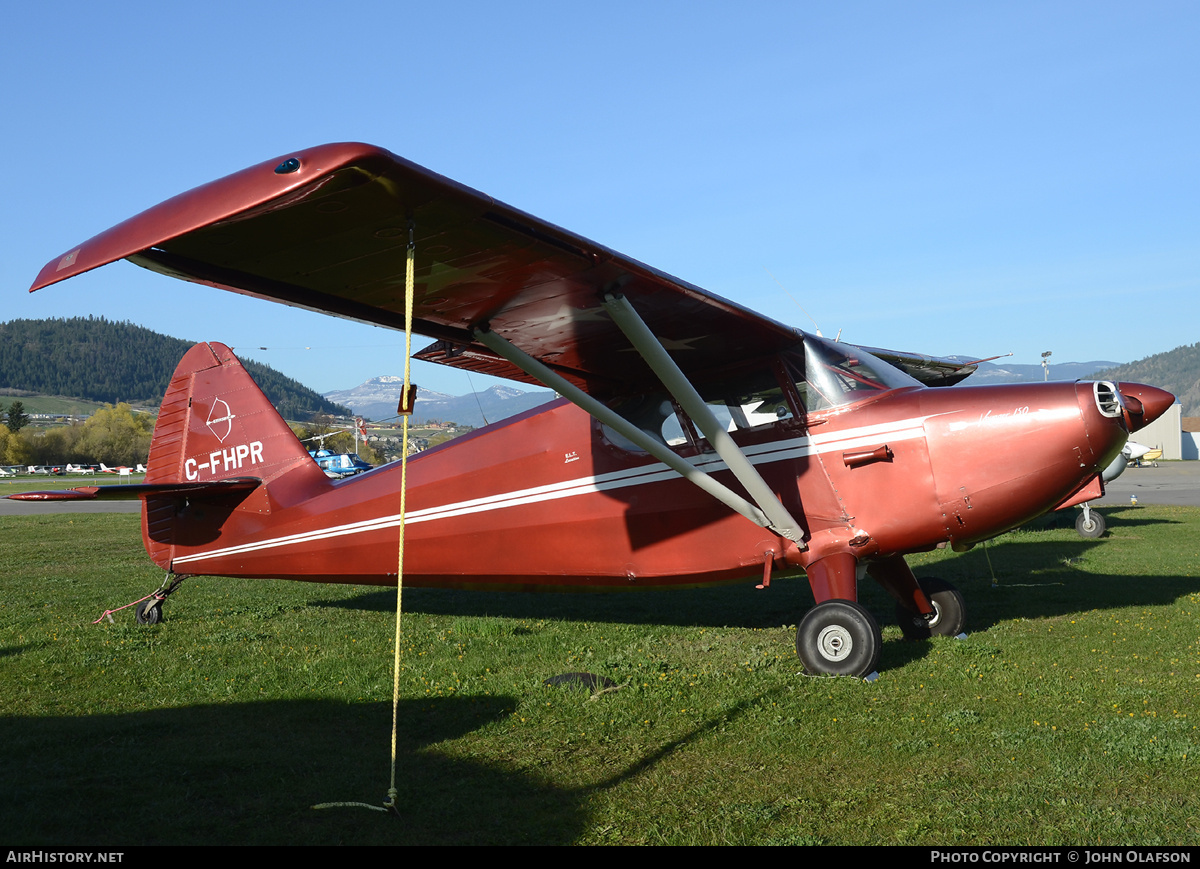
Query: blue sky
(949, 178)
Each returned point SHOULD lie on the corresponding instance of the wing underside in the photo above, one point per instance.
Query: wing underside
(328, 229)
(331, 234)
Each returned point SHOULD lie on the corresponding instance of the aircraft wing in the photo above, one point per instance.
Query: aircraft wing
(930, 370)
(327, 229)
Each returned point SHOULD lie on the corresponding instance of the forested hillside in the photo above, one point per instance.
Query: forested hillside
(1176, 370)
(99, 360)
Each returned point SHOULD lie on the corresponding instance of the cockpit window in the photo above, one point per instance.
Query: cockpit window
(833, 374)
(747, 400)
(826, 374)
(653, 414)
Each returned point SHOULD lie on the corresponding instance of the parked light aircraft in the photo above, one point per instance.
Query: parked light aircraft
(695, 441)
(1140, 455)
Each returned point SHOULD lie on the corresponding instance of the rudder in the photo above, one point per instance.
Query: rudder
(214, 424)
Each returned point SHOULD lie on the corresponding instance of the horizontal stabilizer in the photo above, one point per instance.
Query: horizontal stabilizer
(241, 486)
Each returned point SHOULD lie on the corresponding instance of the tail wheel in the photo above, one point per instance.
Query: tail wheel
(949, 613)
(149, 612)
(839, 638)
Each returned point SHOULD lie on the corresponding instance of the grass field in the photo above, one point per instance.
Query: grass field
(1068, 716)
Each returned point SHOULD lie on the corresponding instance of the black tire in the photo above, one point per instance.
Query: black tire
(950, 612)
(1092, 529)
(838, 638)
(149, 612)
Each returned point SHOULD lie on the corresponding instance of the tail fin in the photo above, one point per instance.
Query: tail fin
(215, 424)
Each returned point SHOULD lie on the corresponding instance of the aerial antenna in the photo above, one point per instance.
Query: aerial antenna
(475, 395)
(816, 328)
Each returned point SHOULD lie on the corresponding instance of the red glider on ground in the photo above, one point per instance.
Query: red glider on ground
(696, 441)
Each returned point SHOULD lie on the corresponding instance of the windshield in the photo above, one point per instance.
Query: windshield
(829, 374)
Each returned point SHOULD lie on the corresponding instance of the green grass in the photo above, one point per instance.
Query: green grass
(1068, 716)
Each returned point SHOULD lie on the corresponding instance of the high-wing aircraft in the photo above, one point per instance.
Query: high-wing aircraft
(695, 441)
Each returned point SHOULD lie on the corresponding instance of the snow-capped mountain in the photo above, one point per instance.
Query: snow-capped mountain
(378, 397)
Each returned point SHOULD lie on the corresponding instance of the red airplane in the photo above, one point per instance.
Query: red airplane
(695, 441)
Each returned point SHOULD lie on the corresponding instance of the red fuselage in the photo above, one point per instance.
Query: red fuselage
(548, 499)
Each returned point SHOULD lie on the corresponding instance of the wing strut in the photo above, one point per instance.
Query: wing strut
(656, 356)
(609, 417)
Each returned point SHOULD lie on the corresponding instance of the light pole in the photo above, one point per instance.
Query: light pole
(1046, 366)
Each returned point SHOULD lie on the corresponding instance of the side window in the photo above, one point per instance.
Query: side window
(750, 399)
(654, 414)
(747, 400)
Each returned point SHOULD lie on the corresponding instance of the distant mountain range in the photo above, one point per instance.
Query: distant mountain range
(999, 372)
(1177, 370)
(99, 360)
(377, 399)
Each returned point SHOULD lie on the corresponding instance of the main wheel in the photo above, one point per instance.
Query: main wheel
(149, 612)
(1090, 524)
(838, 638)
(949, 613)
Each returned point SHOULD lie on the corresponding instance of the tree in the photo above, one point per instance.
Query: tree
(116, 435)
(17, 417)
(14, 448)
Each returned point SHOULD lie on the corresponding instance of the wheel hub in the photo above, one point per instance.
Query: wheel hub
(931, 622)
(937, 615)
(835, 643)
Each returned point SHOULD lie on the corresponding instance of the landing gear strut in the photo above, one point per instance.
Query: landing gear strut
(839, 638)
(949, 613)
(149, 611)
(1090, 523)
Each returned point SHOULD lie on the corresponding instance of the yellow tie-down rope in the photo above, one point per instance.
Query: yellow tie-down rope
(405, 410)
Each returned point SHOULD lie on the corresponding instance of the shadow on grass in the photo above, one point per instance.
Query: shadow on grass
(1115, 517)
(1036, 575)
(249, 773)
(739, 605)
